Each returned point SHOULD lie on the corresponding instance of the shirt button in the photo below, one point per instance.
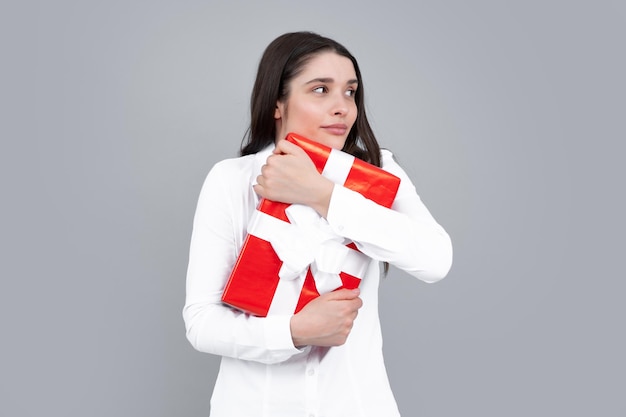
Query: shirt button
(310, 372)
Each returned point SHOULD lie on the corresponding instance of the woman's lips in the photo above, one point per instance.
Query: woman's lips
(338, 129)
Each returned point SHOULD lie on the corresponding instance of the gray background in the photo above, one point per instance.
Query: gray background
(509, 116)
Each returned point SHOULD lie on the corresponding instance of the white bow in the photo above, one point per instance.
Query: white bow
(307, 241)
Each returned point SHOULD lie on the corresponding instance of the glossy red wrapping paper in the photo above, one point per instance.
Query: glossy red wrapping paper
(254, 279)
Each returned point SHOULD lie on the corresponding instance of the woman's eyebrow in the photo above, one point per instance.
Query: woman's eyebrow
(329, 81)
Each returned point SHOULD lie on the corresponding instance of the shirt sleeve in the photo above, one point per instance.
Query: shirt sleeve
(407, 236)
(211, 326)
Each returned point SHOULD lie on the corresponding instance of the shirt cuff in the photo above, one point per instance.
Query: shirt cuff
(340, 209)
(278, 334)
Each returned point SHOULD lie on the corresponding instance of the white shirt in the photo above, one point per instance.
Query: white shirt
(262, 373)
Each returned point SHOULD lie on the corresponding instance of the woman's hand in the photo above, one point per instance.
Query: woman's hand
(327, 320)
(289, 176)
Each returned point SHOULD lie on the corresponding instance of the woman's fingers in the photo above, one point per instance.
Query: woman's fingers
(326, 320)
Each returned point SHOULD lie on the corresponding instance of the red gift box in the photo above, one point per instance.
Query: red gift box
(262, 282)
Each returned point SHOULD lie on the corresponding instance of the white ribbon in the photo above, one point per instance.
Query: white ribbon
(307, 241)
(338, 166)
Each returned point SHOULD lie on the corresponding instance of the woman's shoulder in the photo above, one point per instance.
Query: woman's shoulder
(233, 166)
(242, 165)
(390, 164)
(235, 171)
(387, 159)
(385, 154)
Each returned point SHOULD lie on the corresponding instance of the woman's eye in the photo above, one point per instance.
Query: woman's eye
(319, 90)
(350, 93)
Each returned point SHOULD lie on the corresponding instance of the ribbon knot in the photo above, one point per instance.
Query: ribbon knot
(306, 241)
(310, 242)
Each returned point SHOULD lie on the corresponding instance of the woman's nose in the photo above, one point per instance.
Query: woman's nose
(340, 106)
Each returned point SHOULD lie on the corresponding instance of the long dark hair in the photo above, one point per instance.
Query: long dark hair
(283, 60)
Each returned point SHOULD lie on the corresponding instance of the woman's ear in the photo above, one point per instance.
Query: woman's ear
(279, 111)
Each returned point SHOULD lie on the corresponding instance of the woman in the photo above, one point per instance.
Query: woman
(324, 360)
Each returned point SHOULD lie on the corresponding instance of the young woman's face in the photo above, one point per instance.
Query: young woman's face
(320, 104)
